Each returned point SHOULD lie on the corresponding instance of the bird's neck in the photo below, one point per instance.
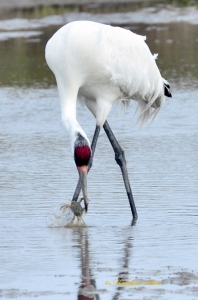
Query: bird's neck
(74, 129)
(68, 99)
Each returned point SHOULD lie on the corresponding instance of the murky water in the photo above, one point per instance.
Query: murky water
(158, 255)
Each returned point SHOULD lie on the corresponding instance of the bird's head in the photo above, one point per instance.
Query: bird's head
(82, 155)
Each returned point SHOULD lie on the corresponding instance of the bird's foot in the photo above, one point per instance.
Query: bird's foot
(134, 220)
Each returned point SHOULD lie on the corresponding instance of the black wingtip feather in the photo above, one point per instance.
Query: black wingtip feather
(167, 92)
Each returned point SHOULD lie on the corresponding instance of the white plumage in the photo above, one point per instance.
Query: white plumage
(103, 64)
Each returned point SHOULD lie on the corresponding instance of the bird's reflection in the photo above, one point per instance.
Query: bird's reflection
(124, 275)
(87, 288)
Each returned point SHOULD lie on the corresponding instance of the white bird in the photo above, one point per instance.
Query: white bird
(104, 65)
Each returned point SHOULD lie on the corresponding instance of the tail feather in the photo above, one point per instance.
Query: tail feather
(151, 108)
(148, 105)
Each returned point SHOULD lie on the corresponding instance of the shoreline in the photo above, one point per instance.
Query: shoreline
(14, 5)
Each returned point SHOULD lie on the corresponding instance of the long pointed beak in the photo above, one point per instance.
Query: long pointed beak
(83, 177)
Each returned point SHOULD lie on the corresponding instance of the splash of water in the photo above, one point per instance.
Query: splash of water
(60, 217)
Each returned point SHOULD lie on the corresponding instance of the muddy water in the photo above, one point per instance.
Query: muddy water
(158, 256)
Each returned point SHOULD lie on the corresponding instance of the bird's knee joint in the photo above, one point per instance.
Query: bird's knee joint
(120, 158)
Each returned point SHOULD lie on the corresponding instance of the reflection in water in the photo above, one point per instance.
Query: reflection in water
(87, 288)
(176, 44)
(123, 276)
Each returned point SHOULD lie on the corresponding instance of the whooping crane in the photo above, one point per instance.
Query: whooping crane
(104, 65)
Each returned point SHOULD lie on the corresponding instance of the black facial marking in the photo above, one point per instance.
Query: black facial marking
(80, 141)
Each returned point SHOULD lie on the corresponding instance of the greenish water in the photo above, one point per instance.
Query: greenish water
(23, 62)
(42, 10)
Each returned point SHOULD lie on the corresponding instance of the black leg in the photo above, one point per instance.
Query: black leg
(93, 147)
(120, 159)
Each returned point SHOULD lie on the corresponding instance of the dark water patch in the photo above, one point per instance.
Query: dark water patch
(31, 9)
(24, 62)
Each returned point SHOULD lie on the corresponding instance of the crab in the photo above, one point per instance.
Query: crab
(77, 210)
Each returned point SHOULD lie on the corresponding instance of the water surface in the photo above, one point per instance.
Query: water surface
(38, 173)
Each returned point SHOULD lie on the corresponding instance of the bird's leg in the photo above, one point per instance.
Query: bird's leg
(120, 159)
(93, 147)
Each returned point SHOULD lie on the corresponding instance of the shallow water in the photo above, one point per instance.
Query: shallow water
(38, 174)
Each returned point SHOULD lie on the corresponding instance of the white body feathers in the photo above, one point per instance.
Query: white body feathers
(103, 64)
